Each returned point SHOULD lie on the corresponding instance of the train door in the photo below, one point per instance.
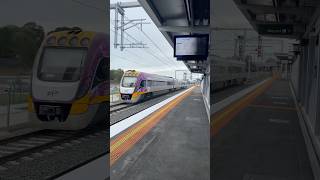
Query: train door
(142, 84)
(317, 88)
(100, 83)
(148, 85)
(102, 73)
(303, 82)
(311, 81)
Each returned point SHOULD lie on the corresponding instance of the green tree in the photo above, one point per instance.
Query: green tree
(7, 48)
(116, 75)
(21, 42)
(27, 42)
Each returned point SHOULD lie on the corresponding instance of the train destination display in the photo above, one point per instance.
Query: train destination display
(191, 47)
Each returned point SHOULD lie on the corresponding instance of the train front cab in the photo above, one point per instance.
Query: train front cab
(70, 105)
(132, 90)
(136, 86)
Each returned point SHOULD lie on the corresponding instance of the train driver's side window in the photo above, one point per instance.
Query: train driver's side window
(143, 84)
(101, 72)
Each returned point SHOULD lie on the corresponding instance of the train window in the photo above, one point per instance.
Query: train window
(101, 72)
(129, 81)
(61, 64)
(159, 83)
(143, 84)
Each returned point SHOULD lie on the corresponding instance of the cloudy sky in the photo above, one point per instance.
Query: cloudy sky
(144, 59)
(92, 15)
(87, 14)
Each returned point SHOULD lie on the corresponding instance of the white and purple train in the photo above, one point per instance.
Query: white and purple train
(135, 86)
(70, 80)
(227, 72)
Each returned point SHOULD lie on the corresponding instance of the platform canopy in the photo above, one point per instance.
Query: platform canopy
(180, 17)
(279, 18)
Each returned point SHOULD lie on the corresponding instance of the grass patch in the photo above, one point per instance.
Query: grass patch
(16, 98)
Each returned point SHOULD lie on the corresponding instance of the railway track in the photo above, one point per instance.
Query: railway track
(122, 113)
(25, 146)
(119, 107)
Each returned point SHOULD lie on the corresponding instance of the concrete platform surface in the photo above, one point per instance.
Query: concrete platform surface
(178, 147)
(263, 141)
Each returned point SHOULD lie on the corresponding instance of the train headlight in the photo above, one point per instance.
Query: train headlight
(51, 40)
(62, 41)
(73, 41)
(80, 106)
(84, 42)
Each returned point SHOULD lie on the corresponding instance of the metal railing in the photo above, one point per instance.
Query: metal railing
(115, 94)
(13, 101)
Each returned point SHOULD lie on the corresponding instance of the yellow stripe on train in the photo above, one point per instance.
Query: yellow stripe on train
(79, 106)
(99, 99)
(82, 105)
(136, 94)
(30, 104)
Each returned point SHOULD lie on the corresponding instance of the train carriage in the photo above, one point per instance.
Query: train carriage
(70, 80)
(227, 72)
(136, 86)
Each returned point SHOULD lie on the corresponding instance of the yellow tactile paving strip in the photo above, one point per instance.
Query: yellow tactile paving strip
(223, 117)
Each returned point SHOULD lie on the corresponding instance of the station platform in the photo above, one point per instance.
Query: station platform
(259, 137)
(171, 143)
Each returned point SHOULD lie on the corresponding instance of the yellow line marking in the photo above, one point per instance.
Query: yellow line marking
(221, 118)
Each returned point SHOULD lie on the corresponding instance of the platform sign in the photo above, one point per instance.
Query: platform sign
(191, 47)
(275, 29)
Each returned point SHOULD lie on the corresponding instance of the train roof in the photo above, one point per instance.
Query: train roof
(227, 60)
(72, 38)
(145, 75)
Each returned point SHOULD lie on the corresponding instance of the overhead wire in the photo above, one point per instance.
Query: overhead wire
(160, 60)
(150, 39)
(128, 59)
(125, 59)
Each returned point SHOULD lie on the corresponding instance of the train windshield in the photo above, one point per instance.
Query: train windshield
(128, 81)
(62, 64)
